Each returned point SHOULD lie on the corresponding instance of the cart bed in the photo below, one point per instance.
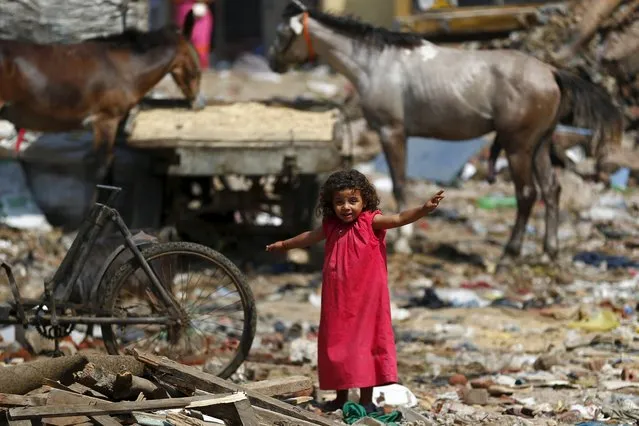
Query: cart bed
(244, 138)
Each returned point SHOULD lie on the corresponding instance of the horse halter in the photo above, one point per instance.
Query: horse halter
(281, 48)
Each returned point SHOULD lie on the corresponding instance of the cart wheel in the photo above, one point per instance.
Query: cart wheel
(218, 303)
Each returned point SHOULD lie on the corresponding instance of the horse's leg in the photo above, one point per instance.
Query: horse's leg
(495, 150)
(550, 190)
(520, 161)
(393, 141)
(104, 132)
(130, 119)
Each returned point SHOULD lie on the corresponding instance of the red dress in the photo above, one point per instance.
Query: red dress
(356, 345)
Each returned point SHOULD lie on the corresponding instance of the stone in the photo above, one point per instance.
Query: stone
(474, 396)
(457, 380)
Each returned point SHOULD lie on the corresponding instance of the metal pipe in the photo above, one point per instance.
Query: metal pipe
(174, 307)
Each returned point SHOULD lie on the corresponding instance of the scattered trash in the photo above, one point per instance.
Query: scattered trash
(604, 321)
(495, 202)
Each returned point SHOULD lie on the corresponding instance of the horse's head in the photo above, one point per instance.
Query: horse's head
(292, 44)
(186, 71)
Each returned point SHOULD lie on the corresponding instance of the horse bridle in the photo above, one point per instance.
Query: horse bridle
(306, 34)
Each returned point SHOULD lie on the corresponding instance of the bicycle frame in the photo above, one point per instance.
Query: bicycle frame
(75, 260)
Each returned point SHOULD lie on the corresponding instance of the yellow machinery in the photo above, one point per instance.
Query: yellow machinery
(444, 18)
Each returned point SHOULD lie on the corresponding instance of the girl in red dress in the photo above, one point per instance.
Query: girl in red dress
(356, 345)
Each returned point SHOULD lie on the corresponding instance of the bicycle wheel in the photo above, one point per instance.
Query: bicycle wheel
(222, 345)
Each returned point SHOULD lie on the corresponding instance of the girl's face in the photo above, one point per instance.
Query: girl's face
(348, 204)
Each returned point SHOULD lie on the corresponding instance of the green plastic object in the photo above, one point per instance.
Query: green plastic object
(353, 412)
(492, 202)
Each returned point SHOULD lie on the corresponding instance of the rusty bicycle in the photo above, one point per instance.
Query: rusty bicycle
(142, 297)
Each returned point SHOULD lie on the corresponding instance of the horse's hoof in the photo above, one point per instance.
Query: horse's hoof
(552, 253)
(511, 250)
(402, 246)
(502, 267)
(506, 262)
(544, 259)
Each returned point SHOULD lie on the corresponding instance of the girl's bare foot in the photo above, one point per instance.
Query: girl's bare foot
(366, 400)
(337, 403)
(366, 396)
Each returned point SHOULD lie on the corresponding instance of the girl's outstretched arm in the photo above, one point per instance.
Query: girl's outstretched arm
(407, 216)
(302, 240)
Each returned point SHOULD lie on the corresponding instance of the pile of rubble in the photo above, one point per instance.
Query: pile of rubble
(598, 38)
(91, 388)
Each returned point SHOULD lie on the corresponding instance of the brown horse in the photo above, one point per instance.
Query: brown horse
(93, 83)
(411, 87)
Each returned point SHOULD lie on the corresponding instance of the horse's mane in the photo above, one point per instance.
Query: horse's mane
(350, 25)
(140, 41)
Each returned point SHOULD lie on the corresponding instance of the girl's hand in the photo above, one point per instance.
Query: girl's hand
(277, 246)
(432, 204)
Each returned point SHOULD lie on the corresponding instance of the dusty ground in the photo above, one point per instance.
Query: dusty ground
(535, 344)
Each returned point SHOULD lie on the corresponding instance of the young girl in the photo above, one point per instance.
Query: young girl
(356, 345)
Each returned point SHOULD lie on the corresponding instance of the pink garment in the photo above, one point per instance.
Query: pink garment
(356, 345)
(202, 30)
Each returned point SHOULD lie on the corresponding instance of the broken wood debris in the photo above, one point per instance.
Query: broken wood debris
(91, 390)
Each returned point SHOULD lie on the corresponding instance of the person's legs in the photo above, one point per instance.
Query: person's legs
(338, 402)
(366, 396)
(201, 38)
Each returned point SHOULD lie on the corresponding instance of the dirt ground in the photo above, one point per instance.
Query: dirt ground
(535, 344)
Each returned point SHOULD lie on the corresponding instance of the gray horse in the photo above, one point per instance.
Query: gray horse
(411, 87)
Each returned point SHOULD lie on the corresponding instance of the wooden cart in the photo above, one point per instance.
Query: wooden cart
(242, 165)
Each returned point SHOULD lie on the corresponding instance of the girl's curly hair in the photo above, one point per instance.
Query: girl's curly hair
(346, 179)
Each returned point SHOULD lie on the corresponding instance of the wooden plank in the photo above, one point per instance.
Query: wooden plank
(106, 421)
(61, 397)
(246, 413)
(180, 419)
(240, 413)
(271, 417)
(297, 400)
(283, 386)
(76, 388)
(121, 407)
(176, 373)
(10, 400)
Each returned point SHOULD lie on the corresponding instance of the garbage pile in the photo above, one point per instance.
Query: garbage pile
(597, 38)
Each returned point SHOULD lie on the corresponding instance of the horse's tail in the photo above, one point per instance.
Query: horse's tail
(587, 105)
